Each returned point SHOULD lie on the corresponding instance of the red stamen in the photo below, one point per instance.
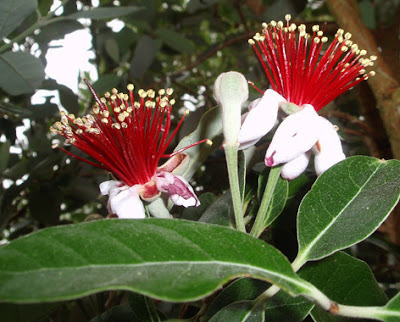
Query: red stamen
(125, 137)
(294, 71)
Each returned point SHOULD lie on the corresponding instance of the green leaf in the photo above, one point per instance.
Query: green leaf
(367, 11)
(210, 127)
(13, 13)
(144, 55)
(175, 41)
(112, 49)
(105, 83)
(244, 311)
(220, 212)
(346, 204)
(21, 73)
(391, 312)
(173, 260)
(341, 277)
(239, 290)
(104, 13)
(119, 313)
(345, 280)
(4, 155)
(143, 308)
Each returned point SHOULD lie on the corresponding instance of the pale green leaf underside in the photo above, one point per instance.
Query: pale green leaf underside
(173, 260)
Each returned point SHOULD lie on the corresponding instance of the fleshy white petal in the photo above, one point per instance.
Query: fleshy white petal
(294, 136)
(329, 148)
(123, 200)
(295, 167)
(179, 190)
(260, 119)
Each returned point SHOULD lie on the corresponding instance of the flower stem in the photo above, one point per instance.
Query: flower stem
(261, 217)
(231, 153)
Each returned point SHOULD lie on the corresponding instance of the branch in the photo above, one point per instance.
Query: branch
(384, 86)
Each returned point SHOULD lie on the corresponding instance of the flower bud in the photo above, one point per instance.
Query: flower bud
(231, 91)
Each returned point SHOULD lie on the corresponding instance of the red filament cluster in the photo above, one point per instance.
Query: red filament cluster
(302, 70)
(125, 136)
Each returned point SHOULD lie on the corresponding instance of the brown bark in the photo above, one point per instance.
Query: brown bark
(384, 86)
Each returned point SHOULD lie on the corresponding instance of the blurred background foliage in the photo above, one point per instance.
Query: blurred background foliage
(183, 44)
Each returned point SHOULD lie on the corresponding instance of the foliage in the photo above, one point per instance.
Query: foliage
(62, 259)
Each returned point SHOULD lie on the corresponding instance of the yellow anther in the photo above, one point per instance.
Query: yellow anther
(142, 93)
(90, 118)
(116, 126)
(302, 33)
(288, 17)
(324, 39)
(317, 40)
(107, 95)
(344, 48)
(320, 33)
(106, 113)
(347, 35)
(293, 27)
(53, 129)
(373, 58)
(151, 93)
(63, 113)
(161, 92)
(363, 52)
(104, 120)
(129, 109)
(103, 100)
(273, 23)
(124, 125)
(372, 73)
(121, 117)
(340, 32)
(169, 91)
(209, 142)
(96, 110)
(117, 110)
(136, 105)
(113, 97)
(130, 87)
(348, 43)
(264, 25)
(315, 28)
(172, 102)
(114, 91)
(280, 24)
(54, 146)
(79, 131)
(251, 42)
(362, 71)
(121, 95)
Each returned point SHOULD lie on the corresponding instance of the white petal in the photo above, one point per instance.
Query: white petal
(260, 119)
(294, 136)
(295, 167)
(123, 201)
(331, 151)
(179, 190)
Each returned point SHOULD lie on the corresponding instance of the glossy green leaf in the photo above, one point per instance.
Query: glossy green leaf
(346, 204)
(343, 279)
(118, 313)
(105, 13)
(175, 41)
(21, 73)
(173, 260)
(142, 307)
(13, 13)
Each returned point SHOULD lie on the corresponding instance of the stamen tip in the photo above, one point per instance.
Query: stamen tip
(209, 142)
